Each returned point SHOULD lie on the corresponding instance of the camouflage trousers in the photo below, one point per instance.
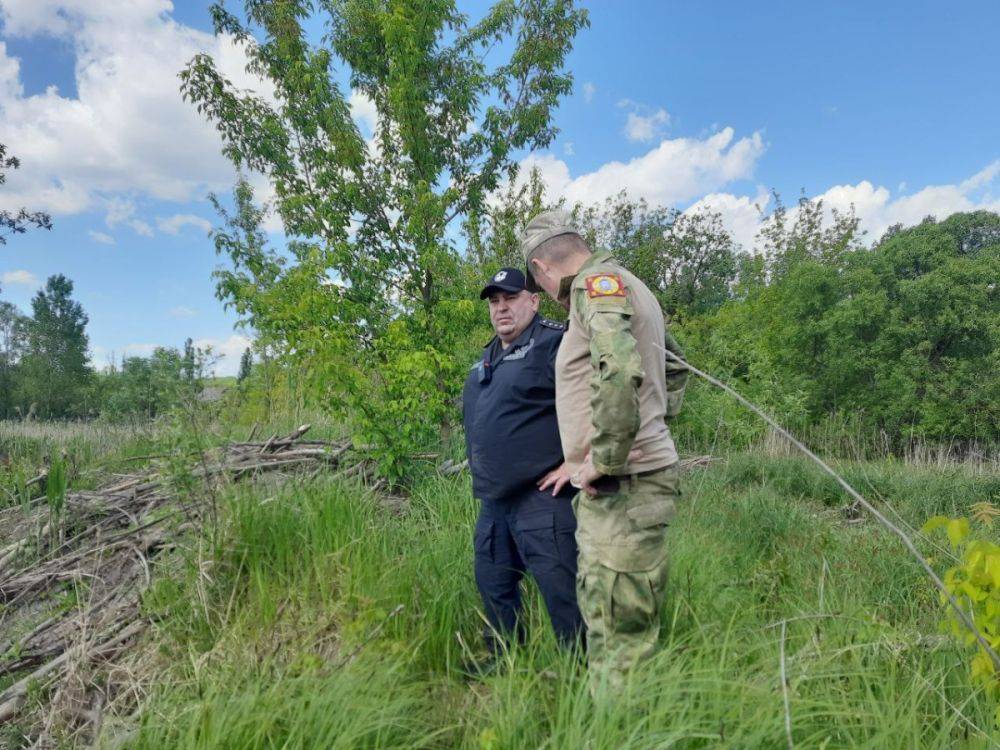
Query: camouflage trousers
(622, 570)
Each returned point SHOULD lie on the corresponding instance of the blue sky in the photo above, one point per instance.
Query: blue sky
(889, 106)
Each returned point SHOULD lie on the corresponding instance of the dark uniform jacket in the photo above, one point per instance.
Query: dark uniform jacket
(509, 411)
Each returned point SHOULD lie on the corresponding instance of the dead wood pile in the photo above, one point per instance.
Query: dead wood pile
(99, 547)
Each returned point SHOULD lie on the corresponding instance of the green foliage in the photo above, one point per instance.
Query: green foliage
(365, 298)
(13, 327)
(688, 260)
(17, 222)
(151, 386)
(903, 336)
(54, 374)
(975, 584)
(246, 365)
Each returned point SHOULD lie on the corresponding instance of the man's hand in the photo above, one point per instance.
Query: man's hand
(556, 479)
(587, 474)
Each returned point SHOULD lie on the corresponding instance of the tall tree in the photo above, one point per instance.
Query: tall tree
(188, 363)
(17, 222)
(13, 327)
(373, 257)
(246, 365)
(54, 371)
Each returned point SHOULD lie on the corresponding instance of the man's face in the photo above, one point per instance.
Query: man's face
(510, 313)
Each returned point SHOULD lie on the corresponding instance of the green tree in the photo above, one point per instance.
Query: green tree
(246, 365)
(13, 327)
(54, 374)
(687, 259)
(150, 386)
(17, 222)
(367, 306)
(902, 337)
(189, 364)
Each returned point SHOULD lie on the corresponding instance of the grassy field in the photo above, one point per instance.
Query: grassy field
(321, 616)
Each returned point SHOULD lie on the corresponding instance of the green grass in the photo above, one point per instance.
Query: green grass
(285, 632)
(91, 449)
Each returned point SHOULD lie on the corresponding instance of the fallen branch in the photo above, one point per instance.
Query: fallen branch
(13, 697)
(122, 527)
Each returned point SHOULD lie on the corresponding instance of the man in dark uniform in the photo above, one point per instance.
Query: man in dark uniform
(526, 520)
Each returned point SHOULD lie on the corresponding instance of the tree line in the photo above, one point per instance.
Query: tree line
(45, 372)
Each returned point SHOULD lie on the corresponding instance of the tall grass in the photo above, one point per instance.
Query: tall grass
(86, 440)
(287, 631)
(80, 452)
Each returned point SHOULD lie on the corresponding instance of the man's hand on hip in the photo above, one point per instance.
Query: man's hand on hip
(587, 475)
(556, 479)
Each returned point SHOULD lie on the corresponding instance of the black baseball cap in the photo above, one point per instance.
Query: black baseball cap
(506, 280)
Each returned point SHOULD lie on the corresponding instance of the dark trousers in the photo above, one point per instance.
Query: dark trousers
(533, 532)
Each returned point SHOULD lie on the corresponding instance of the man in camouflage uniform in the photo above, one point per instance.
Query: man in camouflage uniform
(615, 390)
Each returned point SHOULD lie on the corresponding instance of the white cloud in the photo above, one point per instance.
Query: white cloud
(568, 148)
(228, 351)
(643, 127)
(264, 194)
(182, 311)
(141, 227)
(122, 211)
(741, 215)
(363, 110)
(24, 278)
(589, 90)
(101, 237)
(875, 206)
(174, 224)
(676, 171)
(128, 131)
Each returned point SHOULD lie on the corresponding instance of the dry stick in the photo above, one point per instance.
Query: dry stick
(784, 691)
(12, 698)
(907, 542)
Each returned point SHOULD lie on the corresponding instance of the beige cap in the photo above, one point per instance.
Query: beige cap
(545, 226)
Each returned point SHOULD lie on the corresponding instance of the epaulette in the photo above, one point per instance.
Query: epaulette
(553, 324)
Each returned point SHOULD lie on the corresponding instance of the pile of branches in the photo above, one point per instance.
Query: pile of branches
(97, 549)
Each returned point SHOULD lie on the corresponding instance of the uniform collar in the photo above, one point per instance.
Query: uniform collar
(495, 346)
(566, 282)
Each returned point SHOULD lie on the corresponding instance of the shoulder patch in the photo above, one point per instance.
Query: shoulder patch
(603, 285)
(553, 324)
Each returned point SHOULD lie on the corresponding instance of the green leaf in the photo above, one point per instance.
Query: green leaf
(934, 523)
(957, 530)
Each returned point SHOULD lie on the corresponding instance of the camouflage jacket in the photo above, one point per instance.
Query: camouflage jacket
(615, 388)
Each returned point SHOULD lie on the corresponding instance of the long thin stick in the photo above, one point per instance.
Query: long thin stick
(907, 542)
(784, 691)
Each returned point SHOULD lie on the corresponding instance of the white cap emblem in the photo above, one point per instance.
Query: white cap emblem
(501, 275)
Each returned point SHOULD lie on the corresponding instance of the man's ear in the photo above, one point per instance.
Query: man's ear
(536, 266)
(535, 301)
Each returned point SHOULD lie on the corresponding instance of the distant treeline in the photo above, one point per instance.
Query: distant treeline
(45, 372)
(899, 337)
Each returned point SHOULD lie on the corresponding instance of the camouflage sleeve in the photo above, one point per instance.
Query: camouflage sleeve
(676, 376)
(614, 386)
